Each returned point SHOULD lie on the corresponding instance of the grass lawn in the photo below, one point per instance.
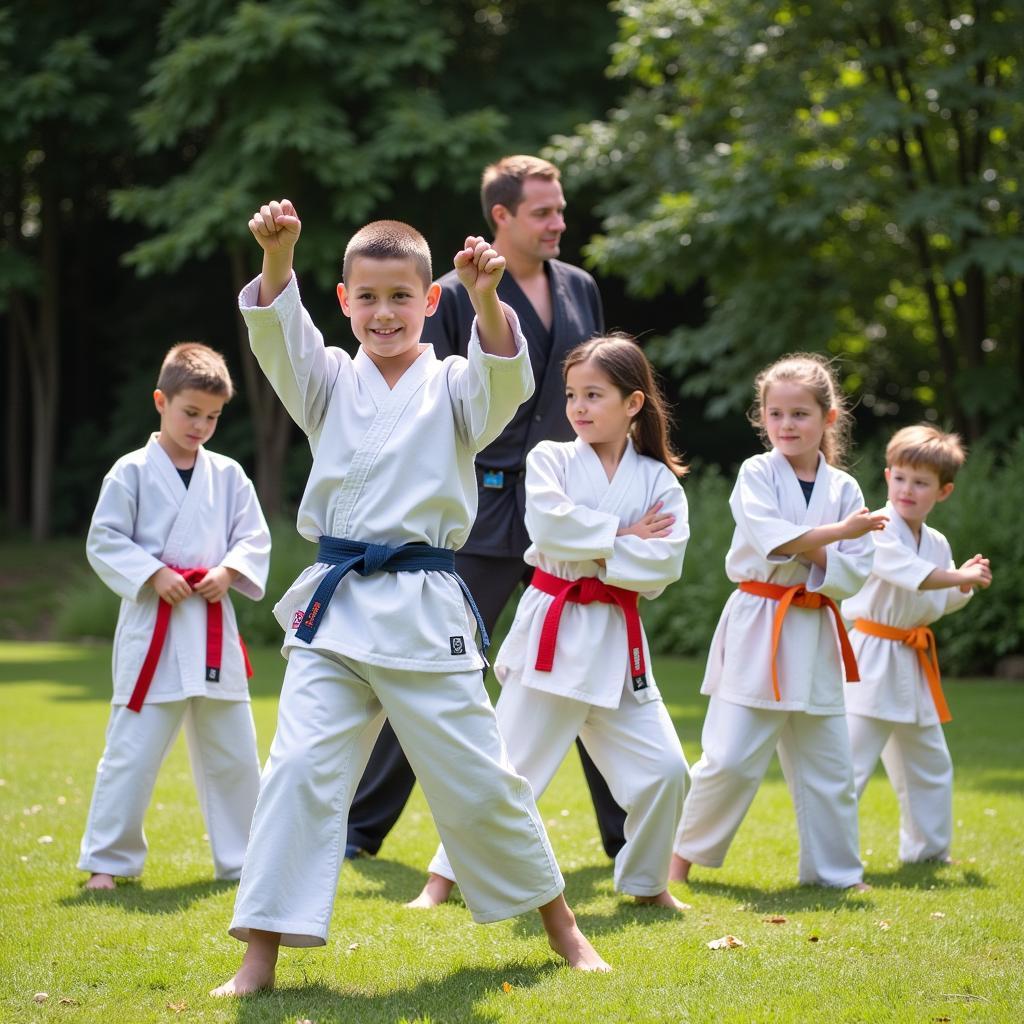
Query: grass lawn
(929, 943)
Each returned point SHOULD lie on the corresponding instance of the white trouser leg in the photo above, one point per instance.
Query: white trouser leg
(737, 746)
(538, 729)
(327, 721)
(920, 769)
(484, 811)
(636, 749)
(868, 736)
(814, 751)
(221, 739)
(136, 745)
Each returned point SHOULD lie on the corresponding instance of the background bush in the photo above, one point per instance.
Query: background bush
(978, 517)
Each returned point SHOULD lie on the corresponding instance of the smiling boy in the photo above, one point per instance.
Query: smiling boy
(380, 624)
(897, 709)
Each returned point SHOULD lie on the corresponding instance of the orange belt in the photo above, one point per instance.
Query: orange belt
(922, 639)
(800, 596)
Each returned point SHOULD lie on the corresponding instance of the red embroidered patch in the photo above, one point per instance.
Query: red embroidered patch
(297, 619)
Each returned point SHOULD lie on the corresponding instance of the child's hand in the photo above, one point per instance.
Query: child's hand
(977, 573)
(479, 266)
(276, 226)
(216, 583)
(861, 522)
(653, 523)
(170, 586)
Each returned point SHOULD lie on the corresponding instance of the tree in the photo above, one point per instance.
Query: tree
(63, 123)
(340, 112)
(837, 176)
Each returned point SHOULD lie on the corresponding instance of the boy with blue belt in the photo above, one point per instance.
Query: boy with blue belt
(380, 625)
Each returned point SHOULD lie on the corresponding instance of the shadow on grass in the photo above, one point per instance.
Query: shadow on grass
(136, 898)
(931, 875)
(792, 898)
(392, 879)
(447, 999)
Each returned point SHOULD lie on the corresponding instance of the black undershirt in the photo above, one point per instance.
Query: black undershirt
(186, 475)
(805, 485)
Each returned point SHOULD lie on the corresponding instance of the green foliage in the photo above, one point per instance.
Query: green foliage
(838, 177)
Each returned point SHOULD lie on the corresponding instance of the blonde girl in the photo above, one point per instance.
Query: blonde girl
(608, 523)
(779, 655)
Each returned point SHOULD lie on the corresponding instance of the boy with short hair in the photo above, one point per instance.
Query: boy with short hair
(176, 527)
(391, 495)
(897, 708)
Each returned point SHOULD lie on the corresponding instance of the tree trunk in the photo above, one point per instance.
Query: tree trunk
(271, 424)
(14, 456)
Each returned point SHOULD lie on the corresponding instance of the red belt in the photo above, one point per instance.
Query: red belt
(922, 640)
(214, 641)
(800, 596)
(587, 591)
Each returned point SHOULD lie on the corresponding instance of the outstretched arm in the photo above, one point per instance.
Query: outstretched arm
(812, 544)
(480, 268)
(276, 226)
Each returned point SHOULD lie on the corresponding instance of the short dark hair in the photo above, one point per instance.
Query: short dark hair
(389, 240)
(194, 365)
(502, 182)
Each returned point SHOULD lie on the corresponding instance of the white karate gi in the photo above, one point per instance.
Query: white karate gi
(390, 466)
(744, 722)
(146, 518)
(891, 712)
(572, 514)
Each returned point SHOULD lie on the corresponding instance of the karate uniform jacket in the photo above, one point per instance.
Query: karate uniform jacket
(146, 518)
(576, 317)
(770, 510)
(390, 466)
(573, 513)
(892, 685)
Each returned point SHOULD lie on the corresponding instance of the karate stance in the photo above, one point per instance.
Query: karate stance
(175, 528)
(391, 495)
(898, 709)
(607, 521)
(776, 664)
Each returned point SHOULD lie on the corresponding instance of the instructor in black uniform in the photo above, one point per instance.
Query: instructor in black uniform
(559, 306)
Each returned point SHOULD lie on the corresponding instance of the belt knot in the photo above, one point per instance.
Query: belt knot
(805, 598)
(919, 638)
(374, 557)
(591, 589)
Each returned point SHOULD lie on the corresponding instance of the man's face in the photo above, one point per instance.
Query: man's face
(534, 231)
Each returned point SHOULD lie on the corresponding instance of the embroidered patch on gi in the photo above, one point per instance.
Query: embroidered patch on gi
(457, 644)
(212, 674)
(297, 619)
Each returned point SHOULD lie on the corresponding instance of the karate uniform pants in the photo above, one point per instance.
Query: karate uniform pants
(814, 751)
(330, 712)
(225, 765)
(388, 780)
(636, 749)
(920, 769)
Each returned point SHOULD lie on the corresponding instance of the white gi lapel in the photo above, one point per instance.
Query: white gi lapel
(816, 510)
(181, 539)
(621, 483)
(898, 525)
(391, 403)
(593, 474)
(792, 504)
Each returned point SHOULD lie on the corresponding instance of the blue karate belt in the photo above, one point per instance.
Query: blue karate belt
(367, 559)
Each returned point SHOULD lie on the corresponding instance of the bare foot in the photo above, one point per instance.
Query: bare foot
(257, 971)
(566, 939)
(435, 892)
(663, 899)
(100, 880)
(859, 887)
(679, 869)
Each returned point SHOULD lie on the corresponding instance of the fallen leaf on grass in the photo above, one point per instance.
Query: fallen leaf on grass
(178, 1007)
(941, 1018)
(506, 987)
(725, 942)
(813, 938)
(938, 914)
(45, 839)
(68, 1001)
(40, 997)
(777, 919)
(885, 925)
(353, 945)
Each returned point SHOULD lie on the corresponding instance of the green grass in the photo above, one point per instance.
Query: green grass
(949, 948)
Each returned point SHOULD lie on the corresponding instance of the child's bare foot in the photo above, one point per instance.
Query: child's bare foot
(859, 887)
(679, 869)
(566, 939)
(257, 971)
(100, 880)
(663, 899)
(435, 892)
